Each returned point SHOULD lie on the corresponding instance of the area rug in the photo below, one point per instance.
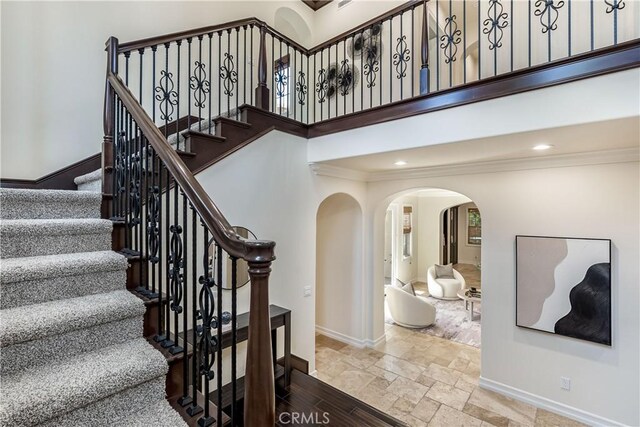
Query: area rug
(452, 322)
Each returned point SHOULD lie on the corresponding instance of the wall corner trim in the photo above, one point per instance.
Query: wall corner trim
(547, 404)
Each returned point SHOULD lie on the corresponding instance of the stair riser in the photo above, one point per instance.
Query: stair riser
(95, 185)
(14, 209)
(45, 289)
(58, 347)
(106, 412)
(19, 245)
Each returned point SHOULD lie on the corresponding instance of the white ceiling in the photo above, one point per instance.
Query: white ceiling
(591, 137)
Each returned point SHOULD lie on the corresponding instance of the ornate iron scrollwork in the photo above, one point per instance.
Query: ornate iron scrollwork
(614, 5)
(550, 9)
(346, 78)
(176, 265)
(301, 88)
(207, 342)
(166, 94)
(322, 86)
(450, 39)
(120, 166)
(135, 189)
(199, 84)
(370, 70)
(401, 57)
(228, 75)
(495, 23)
(281, 77)
(152, 224)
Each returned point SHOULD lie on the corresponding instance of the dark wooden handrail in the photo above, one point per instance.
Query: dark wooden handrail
(222, 231)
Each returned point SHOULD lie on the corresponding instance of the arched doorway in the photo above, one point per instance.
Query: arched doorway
(339, 269)
(438, 253)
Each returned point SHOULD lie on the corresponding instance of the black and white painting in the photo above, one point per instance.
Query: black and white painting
(563, 286)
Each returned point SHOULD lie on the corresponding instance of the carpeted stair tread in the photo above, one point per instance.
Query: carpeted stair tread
(31, 354)
(38, 267)
(127, 408)
(33, 396)
(37, 321)
(160, 413)
(42, 204)
(35, 237)
(38, 279)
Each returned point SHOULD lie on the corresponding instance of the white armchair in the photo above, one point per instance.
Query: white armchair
(444, 288)
(409, 310)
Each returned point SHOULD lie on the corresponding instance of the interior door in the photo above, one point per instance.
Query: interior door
(453, 246)
(445, 237)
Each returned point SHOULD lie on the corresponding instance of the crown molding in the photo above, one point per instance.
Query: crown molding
(623, 155)
(324, 169)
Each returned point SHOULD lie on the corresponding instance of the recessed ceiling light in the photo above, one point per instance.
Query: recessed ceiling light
(542, 147)
(400, 163)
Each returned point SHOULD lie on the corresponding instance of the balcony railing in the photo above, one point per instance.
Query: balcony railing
(185, 79)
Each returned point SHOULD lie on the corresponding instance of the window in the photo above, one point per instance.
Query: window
(474, 227)
(407, 222)
(281, 80)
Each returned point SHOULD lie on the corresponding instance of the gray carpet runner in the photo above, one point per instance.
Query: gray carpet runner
(72, 351)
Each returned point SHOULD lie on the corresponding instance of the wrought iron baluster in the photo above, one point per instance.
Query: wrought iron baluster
(234, 337)
(229, 75)
(211, 115)
(178, 44)
(160, 337)
(238, 58)
(194, 408)
(218, 325)
(207, 342)
(613, 6)
(154, 49)
(189, 42)
(175, 271)
(185, 399)
(168, 342)
(493, 27)
(199, 84)
(153, 233)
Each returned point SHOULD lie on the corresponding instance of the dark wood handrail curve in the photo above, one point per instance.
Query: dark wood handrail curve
(222, 231)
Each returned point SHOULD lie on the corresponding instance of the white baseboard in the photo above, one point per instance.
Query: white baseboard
(419, 279)
(547, 404)
(314, 373)
(338, 336)
(373, 343)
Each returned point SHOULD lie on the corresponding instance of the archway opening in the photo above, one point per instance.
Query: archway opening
(339, 269)
(435, 288)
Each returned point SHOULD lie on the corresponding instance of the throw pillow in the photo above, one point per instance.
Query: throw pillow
(444, 271)
(408, 288)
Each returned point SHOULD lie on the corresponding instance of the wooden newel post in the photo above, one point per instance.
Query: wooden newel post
(108, 126)
(259, 392)
(424, 69)
(262, 91)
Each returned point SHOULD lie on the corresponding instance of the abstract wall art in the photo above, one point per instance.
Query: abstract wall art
(563, 286)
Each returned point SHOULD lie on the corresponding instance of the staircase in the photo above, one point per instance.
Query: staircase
(71, 335)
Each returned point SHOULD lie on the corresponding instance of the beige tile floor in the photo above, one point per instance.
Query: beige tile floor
(424, 381)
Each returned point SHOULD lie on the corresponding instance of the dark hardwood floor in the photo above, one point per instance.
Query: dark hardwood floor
(316, 403)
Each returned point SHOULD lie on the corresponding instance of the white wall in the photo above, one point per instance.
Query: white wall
(467, 254)
(339, 267)
(283, 208)
(581, 201)
(406, 267)
(572, 105)
(53, 69)
(429, 240)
